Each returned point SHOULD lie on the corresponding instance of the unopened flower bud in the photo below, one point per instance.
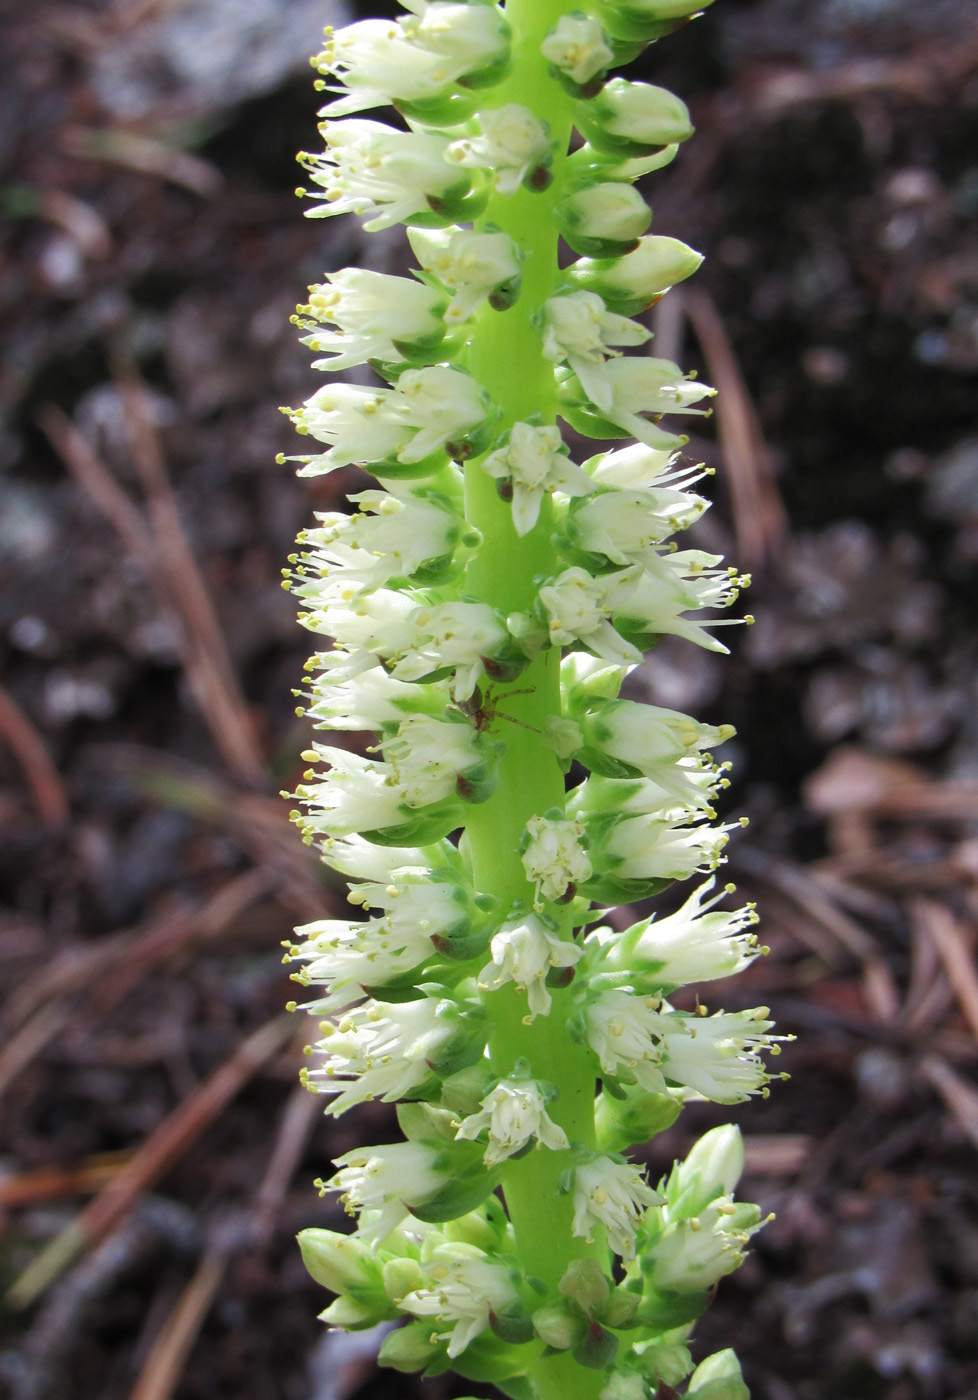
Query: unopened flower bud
(631, 283)
(633, 119)
(718, 1378)
(559, 1327)
(604, 220)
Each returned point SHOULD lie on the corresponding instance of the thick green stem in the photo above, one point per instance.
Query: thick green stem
(506, 357)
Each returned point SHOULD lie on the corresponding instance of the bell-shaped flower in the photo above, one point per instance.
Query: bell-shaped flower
(414, 59)
(384, 175)
(389, 536)
(720, 1055)
(648, 736)
(464, 1287)
(450, 636)
(428, 756)
(578, 607)
(358, 423)
(356, 794)
(386, 1182)
(524, 951)
(638, 385)
(698, 943)
(374, 315)
(363, 860)
(580, 331)
(628, 526)
(444, 406)
(633, 119)
(690, 1256)
(554, 857)
(475, 266)
(639, 467)
(624, 1031)
(531, 462)
(380, 1051)
(344, 957)
(370, 701)
(612, 1194)
(511, 144)
(577, 48)
(647, 848)
(631, 283)
(671, 584)
(514, 1114)
(603, 218)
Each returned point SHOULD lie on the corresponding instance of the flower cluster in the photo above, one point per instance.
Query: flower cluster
(478, 612)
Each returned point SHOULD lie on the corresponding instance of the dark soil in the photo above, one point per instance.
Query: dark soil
(149, 261)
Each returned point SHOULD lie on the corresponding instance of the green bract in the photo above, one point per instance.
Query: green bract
(481, 608)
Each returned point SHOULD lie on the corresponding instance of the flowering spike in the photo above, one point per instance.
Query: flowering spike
(479, 609)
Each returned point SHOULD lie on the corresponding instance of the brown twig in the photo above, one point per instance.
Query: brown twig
(163, 1367)
(208, 665)
(300, 1114)
(29, 749)
(952, 947)
(760, 522)
(151, 1160)
(960, 1096)
(56, 1183)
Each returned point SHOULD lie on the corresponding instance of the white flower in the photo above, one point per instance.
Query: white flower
(554, 858)
(465, 1287)
(360, 425)
(472, 265)
(671, 584)
(576, 45)
(370, 700)
(698, 943)
(414, 59)
(579, 607)
(513, 1114)
(523, 952)
(387, 537)
(580, 330)
(535, 461)
(382, 174)
(441, 404)
(720, 1056)
(456, 635)
(373, 313)
(640, 385)
(476, 35)
(682, 790)
(692, 1255)
(614, 1195)
(386, 1181)
(511, 143)
(624, 1031)
(378, 1051)
(364, 625)
(648, 736)
(628, 526)
(646, 848)
(428, 755)
(344, 956)
(362, 860)
(357, 794)
(641, 467)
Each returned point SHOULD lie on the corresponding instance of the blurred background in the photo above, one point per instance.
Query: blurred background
(156, 1155)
